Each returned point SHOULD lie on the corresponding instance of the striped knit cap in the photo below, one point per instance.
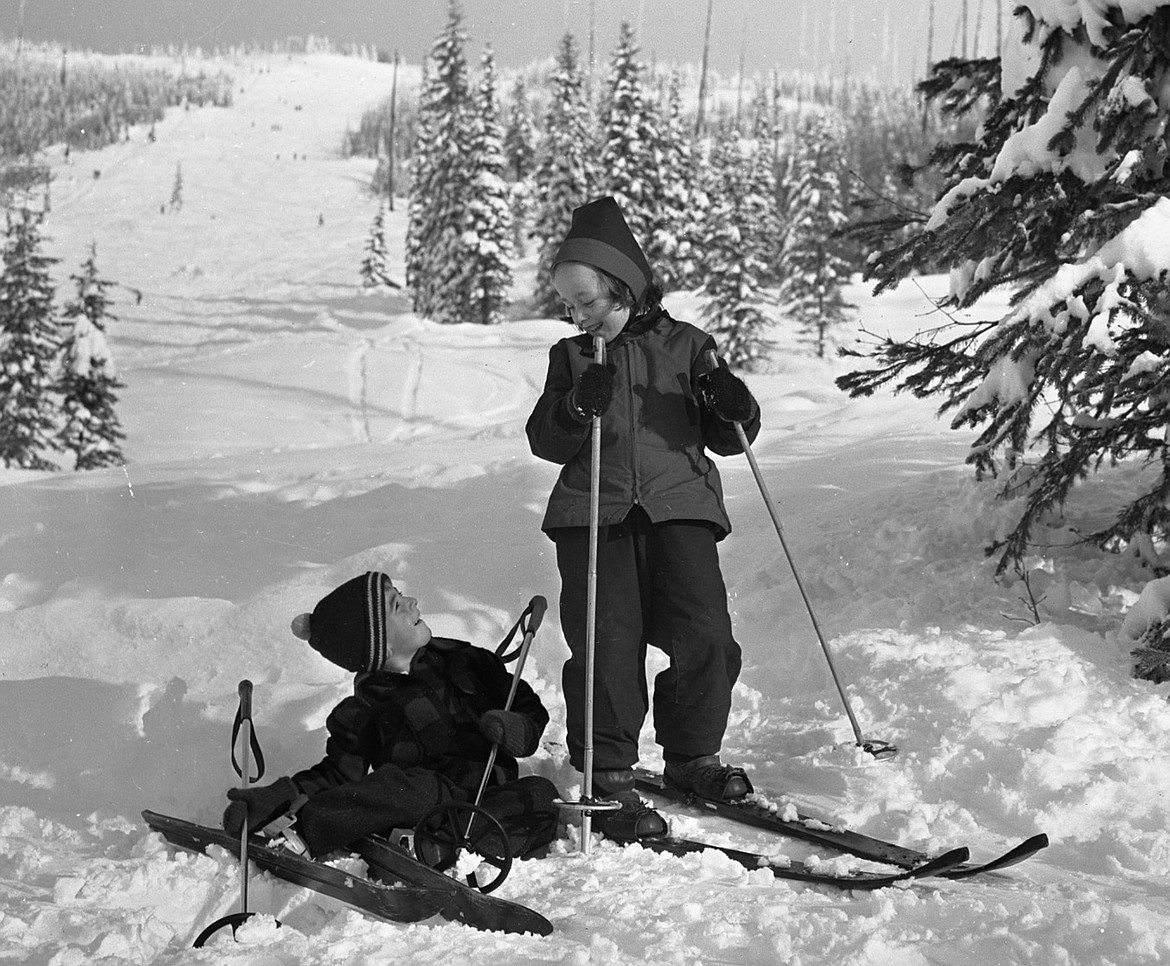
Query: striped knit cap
(348, 625)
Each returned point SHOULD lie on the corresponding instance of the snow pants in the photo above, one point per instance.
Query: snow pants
(391, 797)
(660, 585)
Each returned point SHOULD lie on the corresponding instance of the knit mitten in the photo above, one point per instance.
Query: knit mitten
(258, 806)
(727, 394)
(513, 732)
(593, 392)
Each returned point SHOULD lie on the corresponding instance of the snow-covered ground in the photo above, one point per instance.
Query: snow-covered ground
(287, 431)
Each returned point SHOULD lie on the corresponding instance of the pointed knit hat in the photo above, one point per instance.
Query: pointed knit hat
(599, 236)
(348, 625)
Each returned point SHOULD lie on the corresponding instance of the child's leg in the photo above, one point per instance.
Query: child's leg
(526, 811)
(387, 798)
(690, 622)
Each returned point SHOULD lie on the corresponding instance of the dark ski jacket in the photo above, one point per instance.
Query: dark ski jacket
(425, 719)
(654, 435)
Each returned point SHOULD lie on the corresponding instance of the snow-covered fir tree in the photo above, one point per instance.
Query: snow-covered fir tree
(768, 229)
(520, 134)
(30, 340)
(88, 384)
(564, 175)
(813, 271)
(631, 162)
(441, 189)
(1064, 197)
(734, 299)
(485, 249)
(520, 145)
(374, 272)
(673, 247)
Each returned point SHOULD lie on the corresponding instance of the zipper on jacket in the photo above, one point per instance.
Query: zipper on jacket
(636, 481)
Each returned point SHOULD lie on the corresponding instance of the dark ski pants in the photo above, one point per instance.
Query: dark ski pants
(391, 797)
(657, 585)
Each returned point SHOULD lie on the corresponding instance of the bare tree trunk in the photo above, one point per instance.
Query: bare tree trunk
(963, 46)
(703, 71)
(739, 84)
(390, 135)
(930, 39)
(998, 28)
(19, 29)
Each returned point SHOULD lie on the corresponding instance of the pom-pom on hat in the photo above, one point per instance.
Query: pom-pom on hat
(348, 625)
(599, 236)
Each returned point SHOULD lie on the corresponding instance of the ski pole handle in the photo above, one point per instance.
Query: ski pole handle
(539, 605)
(244, 714)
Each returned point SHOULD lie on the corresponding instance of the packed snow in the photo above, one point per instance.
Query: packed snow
(288, 430)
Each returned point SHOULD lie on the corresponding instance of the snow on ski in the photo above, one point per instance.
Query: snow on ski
(802, 873)
(422, 891)
(816, 831)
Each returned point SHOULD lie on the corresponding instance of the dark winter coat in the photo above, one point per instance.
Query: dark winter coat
(425, 719)
(654, 435)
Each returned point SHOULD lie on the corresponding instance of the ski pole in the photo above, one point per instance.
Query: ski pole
(536, 608)
(591, 607)
(245, 778)
(879, 749)
(586, 805)
(244, 735)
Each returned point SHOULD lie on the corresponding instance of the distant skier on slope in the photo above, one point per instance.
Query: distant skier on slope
(416, 733)
(661, 407)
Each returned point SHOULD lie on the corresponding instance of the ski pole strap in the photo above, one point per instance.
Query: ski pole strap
(244, 713)
(528, 622)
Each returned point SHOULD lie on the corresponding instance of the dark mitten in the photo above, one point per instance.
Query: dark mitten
(593, 392)
(727, 394)
(515, 733)
(258, 805)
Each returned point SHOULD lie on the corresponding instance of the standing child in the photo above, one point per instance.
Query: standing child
(416, 733)
(662, 406)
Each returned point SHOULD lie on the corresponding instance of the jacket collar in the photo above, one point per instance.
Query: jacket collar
(634, 329)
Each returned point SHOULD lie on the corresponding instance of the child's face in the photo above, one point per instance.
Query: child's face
(587, 302)
(406, 631)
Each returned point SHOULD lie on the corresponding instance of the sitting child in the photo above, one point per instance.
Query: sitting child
(417, 732)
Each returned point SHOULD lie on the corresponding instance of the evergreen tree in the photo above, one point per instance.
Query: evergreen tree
(520, 136)
(418, 205)
(440, 187)
(29, 344)
(520, 145)
(733, 296)
(88, 383)
(672, 248)
(563, 178)
(485, 248)
(632, 149)
(374, 271)
(767, 231)
(812, 268)
(1063, 197)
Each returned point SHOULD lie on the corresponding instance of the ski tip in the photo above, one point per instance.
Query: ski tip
(941, 863)
(1030, 845)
